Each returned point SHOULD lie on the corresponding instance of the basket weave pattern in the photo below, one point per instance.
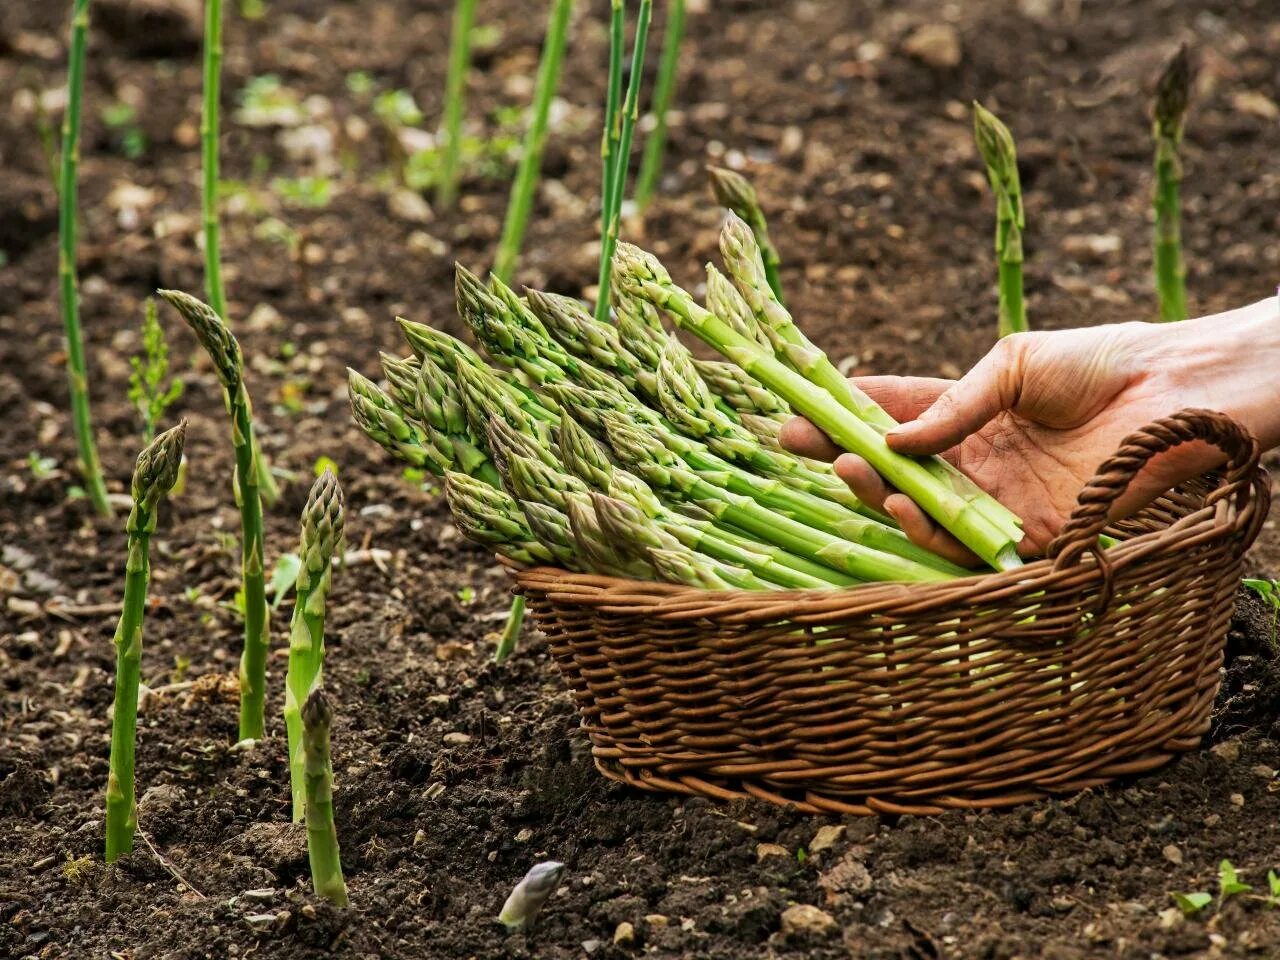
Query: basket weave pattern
(982, 692)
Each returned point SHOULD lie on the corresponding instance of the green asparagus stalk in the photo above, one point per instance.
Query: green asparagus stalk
(218, 342)
(668, 64)
(585, 458)
(743, 393)
(384, 422)
(598, 548)
(586, 338)
(794, 349)
(77, 371)
(455, 92)
(616, 184)
(613, 100)
(646, 278)
(995, 143)
(535, 139)
(322, 526)
(735, 192)
(215, 292)
(154, 475)
(322, 835)
(493, 518)
(1168, 116)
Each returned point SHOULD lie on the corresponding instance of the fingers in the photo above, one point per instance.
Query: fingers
(903, 398)
(867, 485)
(924, 532)
(805, 440)
(968, 406)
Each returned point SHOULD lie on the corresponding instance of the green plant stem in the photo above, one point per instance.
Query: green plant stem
(454, 99)
(535, 138)
(618, 181)
(995, 144)
(215, 336)
(77, 372)
(511, 632)
(322, 834)
(1169, 115)
(215, 290)
(664, 88)
(154, 475)
(322, 527)
(613, 100)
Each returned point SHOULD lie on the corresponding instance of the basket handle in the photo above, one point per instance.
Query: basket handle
(1079, 534)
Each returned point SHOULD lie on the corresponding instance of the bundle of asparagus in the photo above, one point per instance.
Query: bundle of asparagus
(608, 448)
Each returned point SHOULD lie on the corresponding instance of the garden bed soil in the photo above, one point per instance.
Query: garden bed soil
(454, 774)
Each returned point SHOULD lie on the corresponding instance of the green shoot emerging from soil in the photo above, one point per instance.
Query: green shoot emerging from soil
(322, 834)
(322, 527)
(77, 372)
(454, 98)
(1268, 590)
(156, 470)
(148, 391)
(995, 144)
(664, 89)
(228, 363)
(1168, 115)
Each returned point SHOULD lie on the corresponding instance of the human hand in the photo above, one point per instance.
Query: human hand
(1032, 421)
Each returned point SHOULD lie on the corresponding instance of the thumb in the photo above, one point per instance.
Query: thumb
(993, 385)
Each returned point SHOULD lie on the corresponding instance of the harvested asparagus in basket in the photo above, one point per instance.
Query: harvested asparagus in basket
(605, 446)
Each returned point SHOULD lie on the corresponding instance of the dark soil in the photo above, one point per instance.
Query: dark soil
(863, 154)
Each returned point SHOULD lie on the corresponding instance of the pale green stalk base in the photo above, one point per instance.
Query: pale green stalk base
(1171, 271)
(511, 632)
(257, 641)
(322, 835)
(77, 373)
(521, 201)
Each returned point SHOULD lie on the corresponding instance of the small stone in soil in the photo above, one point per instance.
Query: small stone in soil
(804, 919)
(624, 934)
(1172, 854)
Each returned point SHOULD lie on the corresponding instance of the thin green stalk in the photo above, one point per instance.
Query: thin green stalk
(664, 88)
(454, 97)
(995, 143)
(217, 340)
(1169, 115)
(618, 181)
(511, 632)
(156, 470)
(322, 526)
(735, 192)
(215, 291)
(322, 834)
(77, 372)
(647, 278)
(612, 101)
(535, 138)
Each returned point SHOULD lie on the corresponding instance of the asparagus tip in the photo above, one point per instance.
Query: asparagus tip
(1173, 91)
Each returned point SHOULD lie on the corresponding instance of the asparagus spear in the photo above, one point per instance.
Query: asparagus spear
(322, 526)
(526, 900)
(742, 392)
(651, 161)
(794, 349)
(645, 277)
(492, 518)
(224, 350)
(153, 476)
(382, 420)
(455, 91)
(598, 549)
(995, 143)
(68, 285)
(322, 835)
(1168, 116)
(735, 192)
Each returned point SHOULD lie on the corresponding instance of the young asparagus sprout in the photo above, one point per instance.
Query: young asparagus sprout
(455, 92)
(317, 766)
(995, 144)
(521, 201)
(664, 88)
(68, 284)
(1168, 116)
(616, 181)
(735, 192)
(526, 900)
(154, 475)
(224, 351)
(322, 530)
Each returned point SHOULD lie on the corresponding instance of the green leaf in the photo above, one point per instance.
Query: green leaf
(1229, 882)
(1264, 588)
(323, 463)
(1192, 903)
(283, 578)
(1273, 883)
(467, 594)
(42, 468)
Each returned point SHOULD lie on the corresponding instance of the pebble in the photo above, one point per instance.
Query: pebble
(624, 935)
(806, 920)
(1255, 104)
(591, 946)
(308, 911)
(1263, 771)
(1092, 246)
(409, 205)
(825, 838)
(1173, 854)
(766, 850)
(1228, 750)
(1237, 800)
(656, 919)
(457, 738)
(934, 44)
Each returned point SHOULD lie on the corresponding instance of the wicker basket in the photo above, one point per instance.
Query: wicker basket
(982, 692)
